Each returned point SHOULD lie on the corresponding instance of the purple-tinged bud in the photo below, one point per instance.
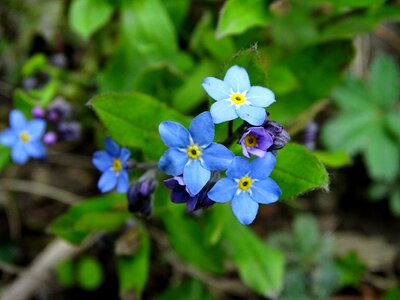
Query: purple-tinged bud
(256, 141)
(58, 109)
(50, 138)
(29, 83)
(59, 60)
(310, 135)
(140, 196)
(69, 131)
(279, 135)
(38, 112)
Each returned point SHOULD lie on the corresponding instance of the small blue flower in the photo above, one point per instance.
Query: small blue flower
(112, 162)
(24, 137)
(247, 184)
(192, 152)
(236, 98)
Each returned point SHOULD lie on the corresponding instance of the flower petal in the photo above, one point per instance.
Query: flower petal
(35, 149)
(124, 156)
(195, 176)
(244, 208)
(223, 191)
(260, 96)
(173, 161)
(265, 191)
(36, 128)
(202, 129)
(252, 114)
(111, 147)
(17, 120)
(238, 168)
(191, 204)
(8, 137)
(216, 88)
(237, 78)
(102, 160)
(122, 182)
(217, 157)
(107, 181)
(180, 195)
(223, 111)
(173, 134)
(19, 154)
(261, 168)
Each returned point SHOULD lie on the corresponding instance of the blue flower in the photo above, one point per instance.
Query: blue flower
(236, 98)
(24, 137)
(247, 184)
(192, 152)
(112, 162)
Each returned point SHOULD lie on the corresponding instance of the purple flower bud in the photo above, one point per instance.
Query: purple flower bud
(256, 141)
(59, 60)
(50, 138)
(38, 112)
(140, 196)
(37, 81)
(279, 135)
(310, 135)
(69, 131)
(58, 109)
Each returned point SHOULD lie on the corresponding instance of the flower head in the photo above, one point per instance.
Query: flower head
(256, 141)
(280, 137)
(236, 98)
(140, 196)
(24, 137)
(247, 184)
(192, 152)
(112, 162)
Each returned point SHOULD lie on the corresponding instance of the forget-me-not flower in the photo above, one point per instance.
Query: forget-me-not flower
(112, 162)
(236, 98)
(256, 141)
(247, 184)
(24, 137)
(192, 152)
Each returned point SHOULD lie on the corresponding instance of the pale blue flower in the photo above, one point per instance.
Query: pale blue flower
(236, 98)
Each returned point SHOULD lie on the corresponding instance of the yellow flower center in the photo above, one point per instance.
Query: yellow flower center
(193, 151)
(250, 140)
(24, 136)
(245, 183)
(238, 98)
(117, 165)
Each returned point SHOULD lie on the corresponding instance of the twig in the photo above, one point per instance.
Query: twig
(39, 189)
(388, 35)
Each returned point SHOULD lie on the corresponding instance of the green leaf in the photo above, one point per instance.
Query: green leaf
(87, 16)
(132, 120)
(297, 171)
(133, 270)
(356, 3)
(89, 273)
(392, 119)
(260, 267)
(237, 16)
(65, 273)
(34, 64)
(5, 156)
(384, 81)
(189, 289)
(335, 159)
(306, 233)
(351, 269)
(106, 213)
(394, 202)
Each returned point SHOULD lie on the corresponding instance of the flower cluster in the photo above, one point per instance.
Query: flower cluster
(193, 155)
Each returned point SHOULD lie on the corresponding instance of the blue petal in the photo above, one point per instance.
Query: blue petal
(173, 161)
(173, 134)
(238, 168)
(223, 111)
(35, 149)
(265, 191)
(217, 157)
(238, 79)
(202, 129)
(18, 154)
(216, 88)
(261, 168)
(191, 203)
(123, 182)
(124, 156)
(223, 191)
(111, 147)
(107, 181)
(195, 176)
(8, 137)
(17, 120)
(252, 114)
(244, 208)
(36, 128)
(260, 96)
(102, 160)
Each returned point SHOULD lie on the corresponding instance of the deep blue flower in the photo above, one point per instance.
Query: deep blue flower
(192, 152)
(247, 184)
(112, 162)
(24, 137)
(236, 98)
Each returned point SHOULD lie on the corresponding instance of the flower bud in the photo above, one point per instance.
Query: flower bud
(140, 196)
(38, 112)
(58, 110)
(50, 138)
(69, 131)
